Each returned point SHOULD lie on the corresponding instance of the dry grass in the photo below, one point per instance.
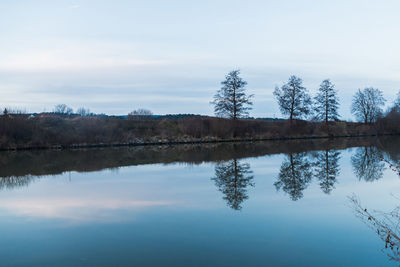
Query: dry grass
(21, 131)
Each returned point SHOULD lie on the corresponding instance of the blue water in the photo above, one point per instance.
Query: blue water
(175, 215)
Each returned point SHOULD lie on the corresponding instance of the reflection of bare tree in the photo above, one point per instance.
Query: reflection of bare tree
(14, 181)
(326, 169)
(367, 163)
(394, 167)
(295, 175)
(232, 178)
(385, 224)
(393, 164)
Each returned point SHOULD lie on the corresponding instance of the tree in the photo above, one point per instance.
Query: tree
(232, 178)
(83, 112)
(396, 106)
(231, 100)
(295, 175)
(383, 223)
(293, 98)
(15, 181)
(367, 104)
(140, 114)
(63, 109)
(327, 169)
(368, 163)
(326, 102)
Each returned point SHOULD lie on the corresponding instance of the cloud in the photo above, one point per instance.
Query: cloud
(64, 56)
(60, 61)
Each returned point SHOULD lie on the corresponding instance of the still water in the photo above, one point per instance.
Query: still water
(297, 203)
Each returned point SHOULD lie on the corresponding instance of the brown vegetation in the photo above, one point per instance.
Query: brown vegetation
(23, 131)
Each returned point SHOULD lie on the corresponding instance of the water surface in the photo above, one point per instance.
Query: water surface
(245, 204)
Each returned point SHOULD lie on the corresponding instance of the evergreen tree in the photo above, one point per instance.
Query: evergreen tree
(326, 102)
(327, 169)
(231, 100)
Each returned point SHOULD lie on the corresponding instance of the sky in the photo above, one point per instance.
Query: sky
(170, 56)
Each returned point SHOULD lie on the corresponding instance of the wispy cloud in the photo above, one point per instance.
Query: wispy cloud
(53, 61)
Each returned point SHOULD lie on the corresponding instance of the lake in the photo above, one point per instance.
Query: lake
(279, 203)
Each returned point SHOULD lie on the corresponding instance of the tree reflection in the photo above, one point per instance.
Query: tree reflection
(326, 169)
(14, 181)
(295, 175)
(367, 163)
(232, 178)
(385, 224)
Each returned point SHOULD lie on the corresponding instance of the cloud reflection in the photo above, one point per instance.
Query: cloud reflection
(78, 209)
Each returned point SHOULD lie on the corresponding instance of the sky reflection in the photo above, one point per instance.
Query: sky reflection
(208, 211)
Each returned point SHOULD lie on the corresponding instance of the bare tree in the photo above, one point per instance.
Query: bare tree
(367, 104)
(396, 106)
(295, 175)
(293, 98)
(384, 223)
(63, 109)
(231, 100)
(9, 111)
(15, 181)
(368, 163)
(83, 112)
(326, 102)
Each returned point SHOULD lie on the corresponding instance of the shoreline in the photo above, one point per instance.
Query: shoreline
(192, 142)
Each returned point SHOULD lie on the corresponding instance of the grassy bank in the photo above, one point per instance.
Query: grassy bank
(17, 132)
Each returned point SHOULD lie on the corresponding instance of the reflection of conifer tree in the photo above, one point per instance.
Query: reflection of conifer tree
(232, 179)
(327, 169)
(367, 163)
(295, 175)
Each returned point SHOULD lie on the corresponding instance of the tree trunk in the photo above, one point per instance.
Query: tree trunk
(234, 112)
(292, 105)
(234, 104)
(326, 107)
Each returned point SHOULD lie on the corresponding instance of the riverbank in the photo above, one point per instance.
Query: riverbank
(193, 142)
(64, 132)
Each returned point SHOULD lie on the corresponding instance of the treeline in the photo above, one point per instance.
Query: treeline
(64, 128)
(231, 101)
(295, 102)
(61, 131)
